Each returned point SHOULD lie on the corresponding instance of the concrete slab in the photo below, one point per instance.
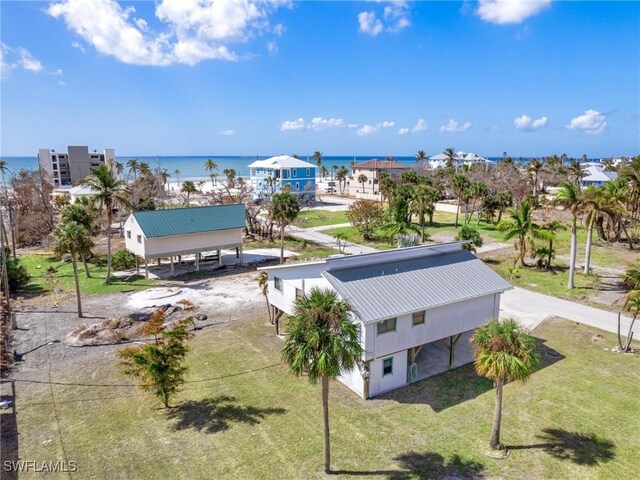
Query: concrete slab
(434, 357)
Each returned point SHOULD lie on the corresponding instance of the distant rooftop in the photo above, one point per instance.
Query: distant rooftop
(376, 164)
(281, 161)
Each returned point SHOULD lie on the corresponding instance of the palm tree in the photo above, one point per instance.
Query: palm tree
(188, 187)
(362, 178)
(533, 169)
(460, 182)
(119, 169)
(73, 239)
(133, 166)
(550, 229)
(422, 203)
(503, 352)
(318, 157)
(231, 176)
(263, 283)
(421, 157)
(324, 172)
(592, 206)
(144, 168)
(450, 162)
(176, 172)
(321, 341)
(79, 214)
(520, 225)
(575, 172)
(108, 192)
(341, 176)
(284, 209)
(569, 197)
(211, 166)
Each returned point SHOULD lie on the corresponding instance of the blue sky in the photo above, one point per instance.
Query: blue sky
(177, 77)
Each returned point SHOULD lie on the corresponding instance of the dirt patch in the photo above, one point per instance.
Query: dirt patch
(114, 330)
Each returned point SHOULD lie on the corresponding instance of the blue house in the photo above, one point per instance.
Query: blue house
(596, 176)
(273, 174)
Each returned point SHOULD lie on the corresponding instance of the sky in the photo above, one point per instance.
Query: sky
(236, 77)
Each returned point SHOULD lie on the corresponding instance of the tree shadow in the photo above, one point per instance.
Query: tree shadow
(212, 415)
(425, 466)
(580, 448)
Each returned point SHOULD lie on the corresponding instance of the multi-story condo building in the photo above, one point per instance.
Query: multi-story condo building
(66, 169)
(274, 174)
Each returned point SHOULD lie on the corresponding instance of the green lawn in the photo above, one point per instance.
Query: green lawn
(306, 250)
(575, 418)
(37, 266)
(352, 235)
(317, 218)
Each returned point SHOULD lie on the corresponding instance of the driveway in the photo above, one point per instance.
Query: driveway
(531, 308)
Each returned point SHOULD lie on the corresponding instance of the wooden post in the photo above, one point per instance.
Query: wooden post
(137, 265)
(242, 258)
(158, 261)
(237, 252)
(219, 258)
(146, 268)
(172, 270)
(180, 259)
(453, 341)
(197, 261)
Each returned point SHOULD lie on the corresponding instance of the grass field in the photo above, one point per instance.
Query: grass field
(37, 266)
(244, 416)
(317, 218)
(306, 250)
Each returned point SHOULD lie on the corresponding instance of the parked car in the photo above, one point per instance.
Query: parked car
(329, 190)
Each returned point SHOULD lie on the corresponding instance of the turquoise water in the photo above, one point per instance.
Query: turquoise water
(192, 167)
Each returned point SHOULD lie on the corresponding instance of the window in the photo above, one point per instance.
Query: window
(294, 172)
(297, 185)
(388, 325)
(308, 172)
(277, 284)
(387, 366)
(128, 233)
(418, 318)
(299, 293)
(139, 238)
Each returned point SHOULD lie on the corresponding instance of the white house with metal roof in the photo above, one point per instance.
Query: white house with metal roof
(595, 175)
(170, 233)
(459, 159)
(402, 300)
(273, 174)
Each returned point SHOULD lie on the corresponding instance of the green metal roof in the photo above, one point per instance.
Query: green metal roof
(183, 221)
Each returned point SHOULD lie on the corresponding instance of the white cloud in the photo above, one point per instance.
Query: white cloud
(57, 72)
(388, 124)
(368, 130)
(590, 122)
(292, 125)
(503, 12)
(60, 82)
(227, 133)
(278, 29)
(395, 17)
(403, 131)
(18, 57)
(352, 125)
(369, 24)
(453, 126)
(196, 30)
(319, 123)
(525, 124)
(421, 126)
(272, 47)
(77, 46)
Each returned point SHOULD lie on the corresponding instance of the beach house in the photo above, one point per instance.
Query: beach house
(274, 174)
(595, 175)
(459, 159)
(171, 233)
(371, 170)
(416, 308)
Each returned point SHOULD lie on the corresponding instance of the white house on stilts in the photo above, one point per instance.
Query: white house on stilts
(409, 303)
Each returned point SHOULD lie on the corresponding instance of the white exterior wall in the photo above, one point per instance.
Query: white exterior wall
(378, 383)
(304, 278)
(178, 244)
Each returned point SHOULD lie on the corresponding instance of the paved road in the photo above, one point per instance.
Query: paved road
(531, 308)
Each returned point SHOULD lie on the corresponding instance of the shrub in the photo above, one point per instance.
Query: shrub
(123, 260)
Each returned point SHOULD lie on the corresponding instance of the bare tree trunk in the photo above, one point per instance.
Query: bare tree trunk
(86, 267)
(325, 423)
(282, 243)
(458, 209)
(572, 258)
(587, 253)
(108, 277)
(74, 262)
(497, 416)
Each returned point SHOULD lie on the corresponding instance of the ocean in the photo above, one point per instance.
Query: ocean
(192, 167)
